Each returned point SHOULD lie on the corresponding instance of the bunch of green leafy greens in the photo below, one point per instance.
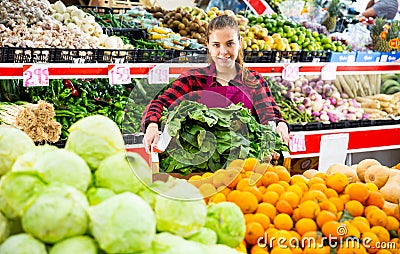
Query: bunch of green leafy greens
(207, 139)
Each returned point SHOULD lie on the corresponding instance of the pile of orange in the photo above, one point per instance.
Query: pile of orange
(303, 213)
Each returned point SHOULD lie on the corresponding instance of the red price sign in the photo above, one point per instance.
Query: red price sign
(119, 74)
(297, 143)
(328, 72)
(291, 72)
(159, 75)
(36, 75)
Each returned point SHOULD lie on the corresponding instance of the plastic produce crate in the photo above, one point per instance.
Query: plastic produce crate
(96, 9)
(75, 55)
(116, 56)
(190, 56)
(315, 56)
(287, 56)
(131, 33)
(262, 56)
(154, 55)
(27, 55)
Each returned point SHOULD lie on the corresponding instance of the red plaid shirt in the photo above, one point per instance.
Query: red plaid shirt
(188, 85)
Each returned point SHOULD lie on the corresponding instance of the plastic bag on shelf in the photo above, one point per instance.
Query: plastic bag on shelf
(358, 36)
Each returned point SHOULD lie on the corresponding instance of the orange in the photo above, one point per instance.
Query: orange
(258, 250)
(377, 217)
(392, 223)
(325, 216)
(369, 208)
(276, 187)
(318, 186)
(207, 190)
(310, 237)
(262, 219)
(354, 207)
(305, 225)
(247, 202)
(309, 209)
(224, 190)
(371, 241)
(243, 183)
(233, 195)
(296, 250)
(270, 197)
(283, 206)
(281, 238)
(372, 186)
(217, 198)
(338, 203)
(360, 225)
(248, 217)
(280, 250)
(296, 189)
(283, 221)
(358, 191)
(195, 180)
(256, 192)
(291, 197)
(255, 179)
(269, 177)
(262, 189)
(250, 164)
(315, 248)
(314, 180)
(267, 209)
(284, 184)
(332, 229)
(375, 198)
(298, 179)
(315, 195)
(254, 231)
(283, 173)
(329, 192)
(383, 251)
(337, 181)
(296, 214)
(381, 232)
(345, 198)
(351, 247)
(303, 186)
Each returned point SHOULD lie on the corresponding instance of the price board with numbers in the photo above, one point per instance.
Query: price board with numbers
(328, 72)
(291, 72)
(159, 74)
(119, 74)
(35, 75)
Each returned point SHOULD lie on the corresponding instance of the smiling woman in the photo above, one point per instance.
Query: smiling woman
(225, 76)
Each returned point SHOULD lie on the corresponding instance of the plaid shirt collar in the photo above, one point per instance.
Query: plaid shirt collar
(237, 81)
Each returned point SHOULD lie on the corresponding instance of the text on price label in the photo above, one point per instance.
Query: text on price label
(119, 74)
(328, 72)
(36, 75)
(159, 75)
(291, 72)
(297, 143)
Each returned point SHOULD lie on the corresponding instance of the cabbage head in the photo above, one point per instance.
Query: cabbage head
(77, 244)
(123, 172)
(13, 143)
(97, 195)
(94, 138)
(64, 167)
(28, 159)
(17, 189)
(57, 213)
(123, 223)
(167, 243)
(22, 244)
(227, 220)
(205, 236)
(176, 213)
(4, 228)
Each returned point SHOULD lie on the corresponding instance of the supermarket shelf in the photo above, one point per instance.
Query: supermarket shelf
(361, 139)
(140, 70)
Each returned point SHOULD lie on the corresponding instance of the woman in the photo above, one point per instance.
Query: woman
(225, 76)
(382, 9)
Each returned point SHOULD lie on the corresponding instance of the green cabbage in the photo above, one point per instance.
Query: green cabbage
(205, 236)
(22, 244)
(123, 223)
(94, 138)
(97, 195)
(58, 212)
(180, 210)
(4, 228)
(77, 244)
(227, 220)
(123, 172)
(17, 189)
(13, 143)
(28, 159)
(61, 166)
(167, 243)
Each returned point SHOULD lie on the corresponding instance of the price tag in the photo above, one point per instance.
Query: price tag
(291, 72)
(297, 143)
(119, 74)
(159, 74)
(36, 75)
(328, 72)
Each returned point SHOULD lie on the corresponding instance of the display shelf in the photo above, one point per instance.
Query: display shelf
(140, 70)
(361, 139)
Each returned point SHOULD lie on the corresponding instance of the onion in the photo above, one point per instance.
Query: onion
(324, 117)
(345, 96)
(298, 83)
(333, 101)
(319, 89)
(316, 113)
(327, 90)
(306, 90)
(301, 107)
(307, 102)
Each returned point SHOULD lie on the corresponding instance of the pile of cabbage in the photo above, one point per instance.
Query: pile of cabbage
(93, 197)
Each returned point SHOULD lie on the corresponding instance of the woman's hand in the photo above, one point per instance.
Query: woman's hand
(151, 137)
(283, 131)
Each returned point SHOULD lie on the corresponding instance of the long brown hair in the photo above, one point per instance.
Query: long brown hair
(224, 21)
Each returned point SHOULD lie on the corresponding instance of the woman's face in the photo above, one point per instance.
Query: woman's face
(223, 46)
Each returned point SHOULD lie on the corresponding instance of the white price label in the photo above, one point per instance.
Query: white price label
(159, 74)
(291, 72)
(297, 143)
(328, 72)
(119, 74)
(35, 75)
